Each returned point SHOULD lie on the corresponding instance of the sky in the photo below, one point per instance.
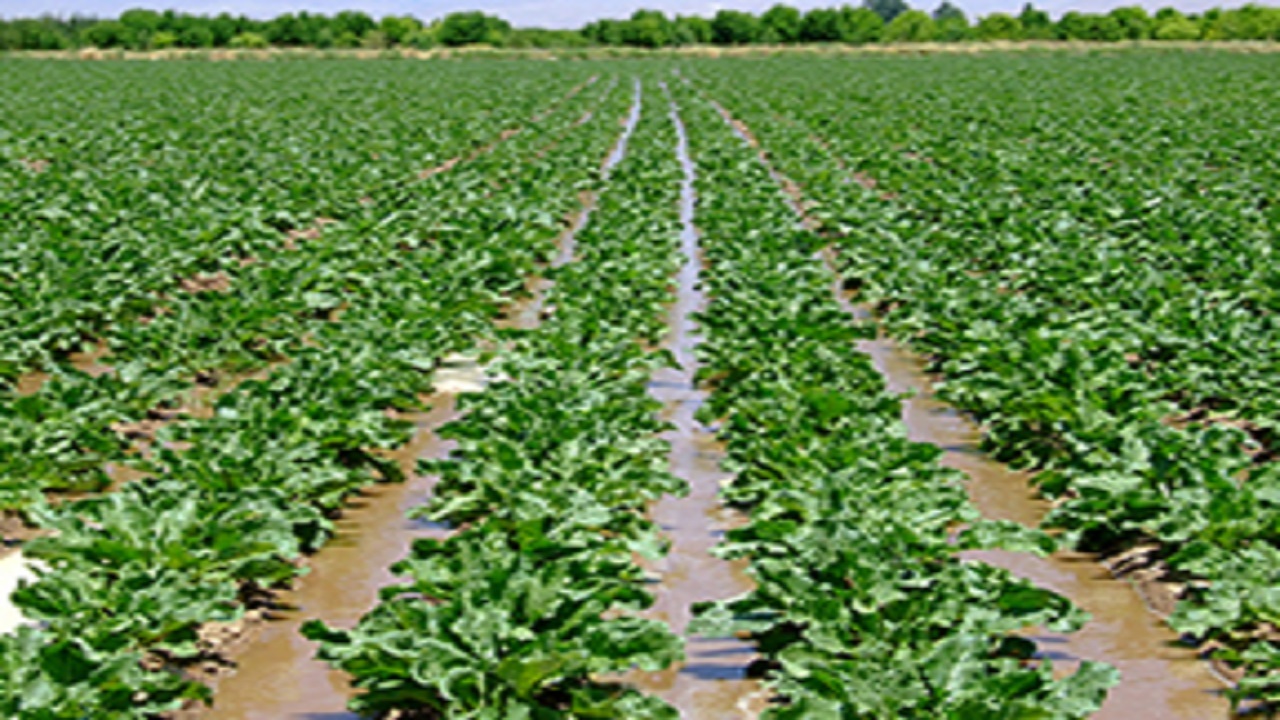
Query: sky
(541, 13)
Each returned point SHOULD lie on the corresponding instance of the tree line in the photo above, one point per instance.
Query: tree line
(883, 21)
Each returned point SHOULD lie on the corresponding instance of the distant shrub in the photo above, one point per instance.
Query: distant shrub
(196, 36)
(999, 26)
(423, 39)
(1177, 28)
(249, 41)
(911, 26)
(163, 40)
(108, 34)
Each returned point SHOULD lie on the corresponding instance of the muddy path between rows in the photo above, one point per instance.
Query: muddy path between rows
(1161, 677)
(275, 675)
(268, 670)
(712, 683)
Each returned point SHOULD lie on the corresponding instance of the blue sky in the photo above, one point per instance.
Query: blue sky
(543, 13)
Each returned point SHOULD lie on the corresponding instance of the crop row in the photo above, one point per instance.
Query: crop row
(862, 608)
(150, 184)
(530, 605)
(1093, 285)
(175, 308)
(235, 500)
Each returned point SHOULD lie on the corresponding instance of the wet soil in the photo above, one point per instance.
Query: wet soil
(529, 310)
(267, 669)
(712, 683)
(13, 532)
(275, 675)
(1160, 676)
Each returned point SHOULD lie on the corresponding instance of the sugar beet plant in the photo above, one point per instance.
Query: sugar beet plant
(235, 498)
(1095, 284)
(179, 234)
(862, 608)
(529, 607)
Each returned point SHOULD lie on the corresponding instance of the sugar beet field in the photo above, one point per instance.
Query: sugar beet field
(791, 387)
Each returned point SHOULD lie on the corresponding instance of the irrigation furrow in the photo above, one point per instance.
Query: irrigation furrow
(111, 410)
(1158, 674)
(261, 474)
(712, 682)
(843, 508)
(275, 675)
(557, 461)
(527, 312)
(506, 134)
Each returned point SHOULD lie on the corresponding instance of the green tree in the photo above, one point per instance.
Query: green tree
(141, 24)
(108, 34)
(194, 35)
(732, 27)
(1036, 24)
(822, 25)
(604, 32)
(1249, 22)
(691, 30)
(647, 28)
(1134, 22)
(397, 28)
(1083, 26)
(888, 10)
(947, 11)
(953, 26)
(163, 40)
(354, 22)
(43, 33)
(287, 30)
(249, 41)
(468, 28)
(999, 26)
(911, 26)
(1173, 25)
(861, 25)
(784, 21)
(224, 28)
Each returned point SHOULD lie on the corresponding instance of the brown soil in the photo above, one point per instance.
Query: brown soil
(261, 667)
(14, 531)
(36, 166)
(311, 232)
(1159, 676)
(714, 681)
(445, 166)
(196, 284)
(1150, 576)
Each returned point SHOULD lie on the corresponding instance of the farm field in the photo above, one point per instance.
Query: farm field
(789, 387)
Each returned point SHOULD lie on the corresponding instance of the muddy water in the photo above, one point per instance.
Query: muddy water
(276, 675)
(712, 683)
(1160, 679)
(527, 312)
